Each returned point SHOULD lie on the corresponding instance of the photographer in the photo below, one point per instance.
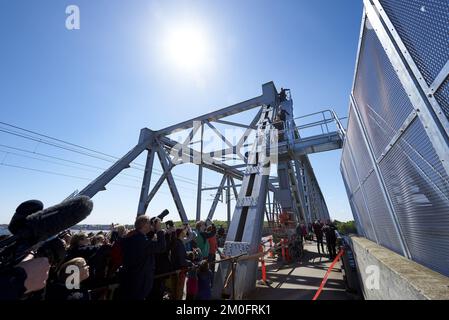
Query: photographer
(162, 262)
(137, 273)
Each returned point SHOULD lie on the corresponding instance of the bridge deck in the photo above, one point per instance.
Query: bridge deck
(301, 280)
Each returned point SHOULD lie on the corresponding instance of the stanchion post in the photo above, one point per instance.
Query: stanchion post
(283, 249)
(233, 278)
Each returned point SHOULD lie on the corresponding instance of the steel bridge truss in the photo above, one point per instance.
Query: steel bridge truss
(294, 189)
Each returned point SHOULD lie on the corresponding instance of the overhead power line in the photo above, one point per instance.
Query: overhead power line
(102, 157)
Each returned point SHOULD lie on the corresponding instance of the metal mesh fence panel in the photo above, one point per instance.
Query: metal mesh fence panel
(350, 171)
(419, 189)
(423, 26)
(362, 161)
(381, 99)
(382, 221)
(359, 227)
(365, 220)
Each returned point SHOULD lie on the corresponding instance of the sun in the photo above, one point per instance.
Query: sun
(187, 47)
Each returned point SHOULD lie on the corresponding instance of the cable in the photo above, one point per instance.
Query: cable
(133, 178)
(70, 176)
(66, 160)
(56, 139)
(185, 179)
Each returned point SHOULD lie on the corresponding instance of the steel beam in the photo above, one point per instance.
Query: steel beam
(165, 163)
(207, 161)
(157, 186)
(217, 197)
(99, 184)
(268, 92)
(234, 124)
(218, 133)
(199, 192)
(142, 208)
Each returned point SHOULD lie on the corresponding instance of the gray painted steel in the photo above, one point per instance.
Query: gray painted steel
(395, 159)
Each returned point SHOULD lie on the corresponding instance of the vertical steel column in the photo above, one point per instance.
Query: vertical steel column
(171, 184)
(217, 197)
(228, 200)
(247, 221)
(200, 178)
(199, 192)
(146, 182)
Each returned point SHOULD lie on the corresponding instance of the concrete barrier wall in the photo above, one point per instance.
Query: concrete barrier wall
(385, 275)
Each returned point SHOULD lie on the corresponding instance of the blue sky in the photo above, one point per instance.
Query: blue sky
(98, 86)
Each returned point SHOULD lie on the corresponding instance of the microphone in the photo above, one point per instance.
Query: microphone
(46, 223)
(30, 228)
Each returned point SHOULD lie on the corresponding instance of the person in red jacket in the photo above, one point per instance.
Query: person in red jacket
(117, 251)
(284, 218)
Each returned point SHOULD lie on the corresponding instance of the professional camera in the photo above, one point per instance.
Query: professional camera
(163, 214)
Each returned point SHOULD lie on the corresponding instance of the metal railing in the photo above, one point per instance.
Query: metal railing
(322, 123)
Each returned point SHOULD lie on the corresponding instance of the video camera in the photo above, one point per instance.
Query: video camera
(36, 229)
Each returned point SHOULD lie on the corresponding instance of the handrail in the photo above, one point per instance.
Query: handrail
(329, 116)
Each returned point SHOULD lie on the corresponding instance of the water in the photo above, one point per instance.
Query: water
(4, 231)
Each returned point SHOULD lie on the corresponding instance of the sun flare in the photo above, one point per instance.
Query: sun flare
(187, 47)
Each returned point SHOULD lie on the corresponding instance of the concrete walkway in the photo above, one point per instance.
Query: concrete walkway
(301, 280)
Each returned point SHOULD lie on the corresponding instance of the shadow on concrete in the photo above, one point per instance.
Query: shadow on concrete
(300, 280)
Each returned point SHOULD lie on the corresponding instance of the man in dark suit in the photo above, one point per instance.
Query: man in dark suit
(137, 274)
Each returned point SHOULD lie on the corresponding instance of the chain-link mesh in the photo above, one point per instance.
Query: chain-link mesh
(359, 227)
(350, 170)
(416, 182)
(362, 161)
(381, 99)
(419, 189)
(382, 221)
(423, 26)
(360, 207)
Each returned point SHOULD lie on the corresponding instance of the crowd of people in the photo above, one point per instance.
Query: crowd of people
(321, 231)
(325, 231)
(153, 261)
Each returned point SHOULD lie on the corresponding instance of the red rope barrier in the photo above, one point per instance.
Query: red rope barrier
(317, 294)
